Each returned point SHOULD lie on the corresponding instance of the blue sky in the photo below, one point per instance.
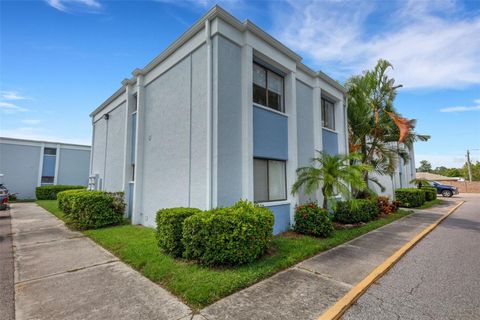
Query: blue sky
(59, 59)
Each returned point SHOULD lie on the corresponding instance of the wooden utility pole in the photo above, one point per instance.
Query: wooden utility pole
(469, 164)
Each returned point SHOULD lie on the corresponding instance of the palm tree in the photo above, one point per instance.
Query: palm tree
(376, 129)
(331, 173)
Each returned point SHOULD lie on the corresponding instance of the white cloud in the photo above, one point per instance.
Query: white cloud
(432, 44)
(8, 107)
(31, 121)
(462, 108)
(13, 95)
(74, 5)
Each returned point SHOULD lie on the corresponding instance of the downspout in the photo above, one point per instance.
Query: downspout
(209, 114)
(345, 115)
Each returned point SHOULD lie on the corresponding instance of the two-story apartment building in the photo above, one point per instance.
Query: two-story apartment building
(226, 112)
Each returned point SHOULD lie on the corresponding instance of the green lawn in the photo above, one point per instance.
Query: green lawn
(51, 205)
(430, 203)
(199, 286)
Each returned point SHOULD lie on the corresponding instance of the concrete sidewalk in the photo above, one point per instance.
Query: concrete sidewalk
(7, 302)
(60, 274)
(308, 289)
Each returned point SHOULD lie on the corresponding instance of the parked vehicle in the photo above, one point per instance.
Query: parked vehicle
(4, 194)
(445, 189)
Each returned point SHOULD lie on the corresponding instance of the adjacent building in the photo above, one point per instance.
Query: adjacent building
(26, 164)
(226, 112)
(401, 177)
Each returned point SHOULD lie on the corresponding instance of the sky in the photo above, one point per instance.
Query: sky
(60, 59)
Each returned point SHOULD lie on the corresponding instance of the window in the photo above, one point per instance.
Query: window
(134, 103)
(47, 179)
(50, 151)
(269, 180)
(267, 88)
(328, 114)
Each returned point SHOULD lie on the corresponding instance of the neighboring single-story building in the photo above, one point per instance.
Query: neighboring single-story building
(226, 112)
(26, 164)
(403, 174)
(436, 177)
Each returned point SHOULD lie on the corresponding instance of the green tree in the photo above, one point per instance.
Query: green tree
(332, 174)
(425, 166)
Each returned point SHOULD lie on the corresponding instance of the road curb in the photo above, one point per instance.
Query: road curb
(342, 305)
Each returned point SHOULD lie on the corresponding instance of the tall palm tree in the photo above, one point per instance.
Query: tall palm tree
(376, 129)
(332, 174)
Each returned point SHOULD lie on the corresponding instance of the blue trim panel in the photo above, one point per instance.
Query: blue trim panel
(282, 218)
(270, 134)
(330, 142)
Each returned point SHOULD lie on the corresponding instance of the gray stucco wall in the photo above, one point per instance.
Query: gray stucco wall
(73, 167)
(19, 165)
(305, 132)
(229, 94)
(199, 114)
(174, 172)
(99, 147)
(113, 175)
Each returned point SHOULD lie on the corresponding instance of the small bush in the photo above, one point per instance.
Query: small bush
(64, 200)
(355, 211)
(228, 236)
(430, 193)
(50, 192)
(170, 228)
(410, 197)
(312, 220)
(93, 209)
(385, 206)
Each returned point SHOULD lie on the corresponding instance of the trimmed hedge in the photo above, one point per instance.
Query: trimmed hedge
(64, 199)
(430, 193)
(312, 220)
(170, 228)
(228, 236)
(92, 209)
(50, 192)
(357, 210)
(410, 197)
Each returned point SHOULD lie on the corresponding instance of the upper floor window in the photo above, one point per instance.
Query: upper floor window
(267, 88)
(328, 114)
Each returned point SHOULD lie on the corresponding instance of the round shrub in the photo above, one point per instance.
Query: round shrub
(50, 192)
(430, 193)
(357, 210)
(312, 220)
(410, 197)
(228, 236)
(94, 209)
(169, 229)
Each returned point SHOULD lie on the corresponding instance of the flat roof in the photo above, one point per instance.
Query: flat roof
(44, 141)
(217, 11)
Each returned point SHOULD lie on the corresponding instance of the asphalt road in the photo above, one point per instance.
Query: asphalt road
(7, 304)
(438, 279)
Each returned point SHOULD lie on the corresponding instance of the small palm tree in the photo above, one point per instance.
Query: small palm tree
(420, 182)
(333, 174)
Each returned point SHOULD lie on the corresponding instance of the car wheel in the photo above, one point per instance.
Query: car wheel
(447, 193)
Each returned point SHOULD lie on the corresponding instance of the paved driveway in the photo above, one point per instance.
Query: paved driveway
(60, 274)
(438, 279)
